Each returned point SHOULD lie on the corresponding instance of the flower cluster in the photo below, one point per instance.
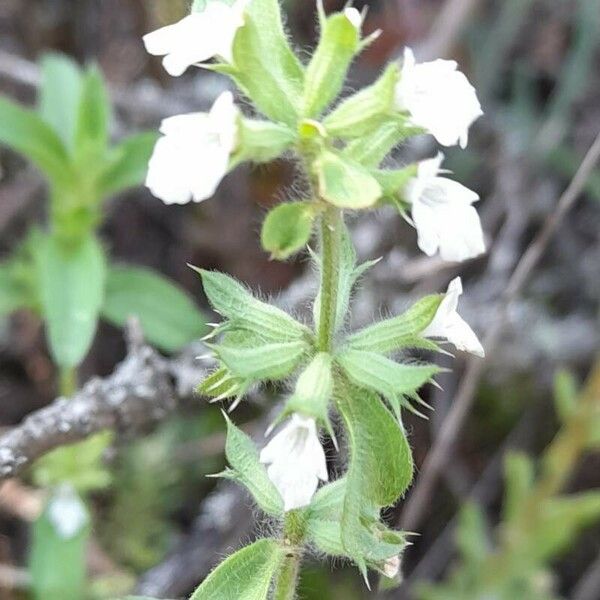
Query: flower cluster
(195, 153)
(343, 148)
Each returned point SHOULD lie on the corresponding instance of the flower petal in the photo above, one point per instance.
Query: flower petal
(192, 157)
(296, 461)
(449, 325)
(439, 99)
(198, 37)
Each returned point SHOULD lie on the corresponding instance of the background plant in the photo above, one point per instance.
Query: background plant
(63, 274)
(539, 521)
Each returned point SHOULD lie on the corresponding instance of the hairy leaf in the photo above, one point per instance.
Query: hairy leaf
(287, 229)
(371, 149)
(383, 375)
(398, 332)
(360, 114)
(324, 528)
(245, 574)
(231, 300)
(271, 361)
(326, 72)
(265, 67)
(344, 183)
(380, 467)
(247, 470)
(261, 141)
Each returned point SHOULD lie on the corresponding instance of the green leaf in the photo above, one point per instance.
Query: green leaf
(247, 470)
(324, 528)
(93, 120)
(472, 534)
(326, 72)
(60, 94)
(168, 316)
(127, 164)
(399, 332)
(366, 110)
(26, 133)
(72, 283)
(562, 519)
(231, 300)
(80, 465)
(566, 391)
(261, 141)
(370, 150)
(246, 574)
(394, 181)
(383, 375)
(287, 229)
(57, 563)
(380, 469)
(265, 67)
(519, 475)
(272, 361)
(344, 183)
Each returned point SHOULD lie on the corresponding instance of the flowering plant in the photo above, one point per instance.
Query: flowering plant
(348, 385)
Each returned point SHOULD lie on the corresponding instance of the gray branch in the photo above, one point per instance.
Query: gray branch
(142, 391)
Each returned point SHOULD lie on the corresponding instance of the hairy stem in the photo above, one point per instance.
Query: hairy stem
(293, 538)
(331, 220)
(330, 257)
(285, 588)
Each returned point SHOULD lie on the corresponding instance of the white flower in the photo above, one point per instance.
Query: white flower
(67, 513)
(443, 215)
(439, 99)
(198, 37)
(296, 461)
(391, 567)
(193, 155)
(449, 325)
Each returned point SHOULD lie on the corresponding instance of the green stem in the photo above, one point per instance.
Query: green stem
(293, 538)
(330, 258)
(287, 581)
(331, 236)
(68, 381)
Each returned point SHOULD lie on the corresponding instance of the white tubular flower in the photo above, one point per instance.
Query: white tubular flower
(439, 99)
(449, 325)
(192, 157)
(198, 37)
(443, 215)
(296, 461)
(67, 513)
